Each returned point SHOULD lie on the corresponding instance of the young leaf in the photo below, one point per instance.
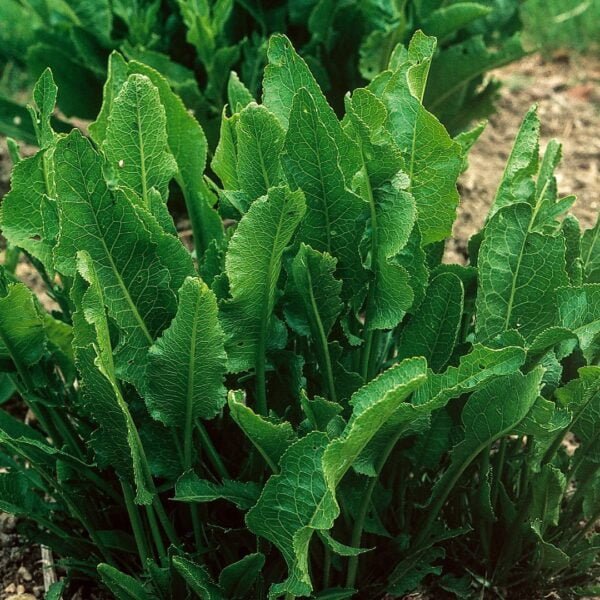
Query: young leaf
(136, 139)
(186, 365)
(190, 488)
(259, 145)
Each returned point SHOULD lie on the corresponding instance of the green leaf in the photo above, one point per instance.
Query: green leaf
(433, 160)
(197, 578)
(448, 20)
(389, 229)
(115, 79)
(22, 335)
(56, 590)
(547, 488)
(516, 184)
(186, 365)
(301, 498)
(579, 311)
(135, 264)
(44, 96)
(123, 586)
(313, 304)
(136, 139)
(339, 548)
(474, 369)
(117, 441)
(312, 161)
(28, 212)
(237, 579)
(590, 253)
(237, 93)
(259, 145)
(519, 271)
(188, 145)
(292, 505)
(432, 332)
(270, 439)
(490, 413)
(190, 488)
(253, 265)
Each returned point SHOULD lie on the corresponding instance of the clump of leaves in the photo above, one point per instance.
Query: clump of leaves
(196, 43)
(318, 406)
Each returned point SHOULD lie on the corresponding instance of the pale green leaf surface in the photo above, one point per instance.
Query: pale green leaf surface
(260, 140)
(187, 364)
(590, 253)
(519, 271)
(136, 139)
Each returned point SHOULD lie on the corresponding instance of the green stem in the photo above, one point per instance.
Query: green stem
(322, 337)
(326, 566)
(136, 523)
(211, 451)
(364, 508)
(156, 536)
(261, 382)
(165, 522)
(357, 532)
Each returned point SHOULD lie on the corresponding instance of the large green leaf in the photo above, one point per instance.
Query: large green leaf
(253, 265)
(519, 272)
(433, 160)
(186, 365)
(301, 498)
(117, 440)
(138, 265)
(312, 162)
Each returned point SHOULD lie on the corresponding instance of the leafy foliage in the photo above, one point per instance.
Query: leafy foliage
(315, 404)
(196, 43)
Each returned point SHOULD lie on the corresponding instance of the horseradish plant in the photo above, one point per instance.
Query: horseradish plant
(318, 405)
(196, 43)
